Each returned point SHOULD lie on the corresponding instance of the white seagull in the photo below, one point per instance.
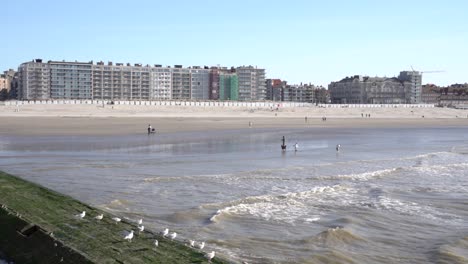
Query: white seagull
(165, 232)
(99, 217)
(141, 228)
(140, 221)
(82, 215)
(116, 219)
(201, 245)
(173, 235)
(129, 236)
(192, 243)
(210, 255)
(156, 243)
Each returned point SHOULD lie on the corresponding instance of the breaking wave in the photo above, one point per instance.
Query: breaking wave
(287, 207)
(360, 176)
(338, 235)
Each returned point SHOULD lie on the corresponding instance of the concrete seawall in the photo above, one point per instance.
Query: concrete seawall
(38, 225)
(24, 242)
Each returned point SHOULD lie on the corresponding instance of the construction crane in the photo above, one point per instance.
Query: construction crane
(426, 71)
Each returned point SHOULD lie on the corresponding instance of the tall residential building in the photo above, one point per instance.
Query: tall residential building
(161, 87)
(251, 83)
(70, 80)
(214, 83)
(119, 81)
(371, 90)
(181, 83)
(228, 87)
(415, 78)
(199, 83)
(274, 89)
(34, 80)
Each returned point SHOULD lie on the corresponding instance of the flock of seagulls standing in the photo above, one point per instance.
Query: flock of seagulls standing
(165, 233)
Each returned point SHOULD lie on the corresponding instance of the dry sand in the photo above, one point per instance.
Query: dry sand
(125, 119)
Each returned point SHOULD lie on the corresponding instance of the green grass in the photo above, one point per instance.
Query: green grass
(93, 240)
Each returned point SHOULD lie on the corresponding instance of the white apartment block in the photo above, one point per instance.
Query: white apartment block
(34, 80)
(108, 81)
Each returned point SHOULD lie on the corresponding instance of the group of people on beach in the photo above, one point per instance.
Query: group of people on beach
(296, 146)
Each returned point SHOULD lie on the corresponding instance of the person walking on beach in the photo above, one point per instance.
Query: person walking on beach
(296, 146)
(338, 147)
(149, 129)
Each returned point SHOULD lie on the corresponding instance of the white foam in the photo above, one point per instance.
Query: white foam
(365, 176)
(414, 209)
(288, 207)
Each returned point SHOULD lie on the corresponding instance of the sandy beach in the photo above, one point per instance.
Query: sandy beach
(211, 177)
(126, 120)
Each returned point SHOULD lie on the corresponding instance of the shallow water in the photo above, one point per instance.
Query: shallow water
(388, 196)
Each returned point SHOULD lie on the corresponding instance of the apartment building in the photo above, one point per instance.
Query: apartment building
(122, 81)
(360, 89)
(34, 80)
(252, 84)
(161, 83)
(181, 81)
(299, 93)
(70, 80)
(413, 96)
(228, 87)
(199, 83)
(274, 89)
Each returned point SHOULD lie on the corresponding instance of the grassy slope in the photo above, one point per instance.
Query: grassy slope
(99, 241)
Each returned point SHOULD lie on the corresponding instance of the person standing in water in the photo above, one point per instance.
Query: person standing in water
(338, 147)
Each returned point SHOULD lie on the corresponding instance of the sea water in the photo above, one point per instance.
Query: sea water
(395, 195)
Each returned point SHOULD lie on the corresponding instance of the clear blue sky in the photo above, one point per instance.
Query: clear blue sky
(299, 41)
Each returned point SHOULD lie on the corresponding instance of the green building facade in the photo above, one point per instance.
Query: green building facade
(228, 87)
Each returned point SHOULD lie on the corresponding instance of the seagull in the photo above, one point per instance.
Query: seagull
(99, 217)
(192, 243)
(141, 228)
(211, 255)
(173, 235)
(140, 221)
(116, 219)
(82, 215)
(165, 232)
(129, 236)
(201, 245)
(156, 243)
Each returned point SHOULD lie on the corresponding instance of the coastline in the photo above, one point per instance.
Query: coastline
(127, 120)
(39, 226)
(83, 122)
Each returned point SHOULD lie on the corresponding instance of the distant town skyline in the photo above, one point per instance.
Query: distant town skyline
(297, 41)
